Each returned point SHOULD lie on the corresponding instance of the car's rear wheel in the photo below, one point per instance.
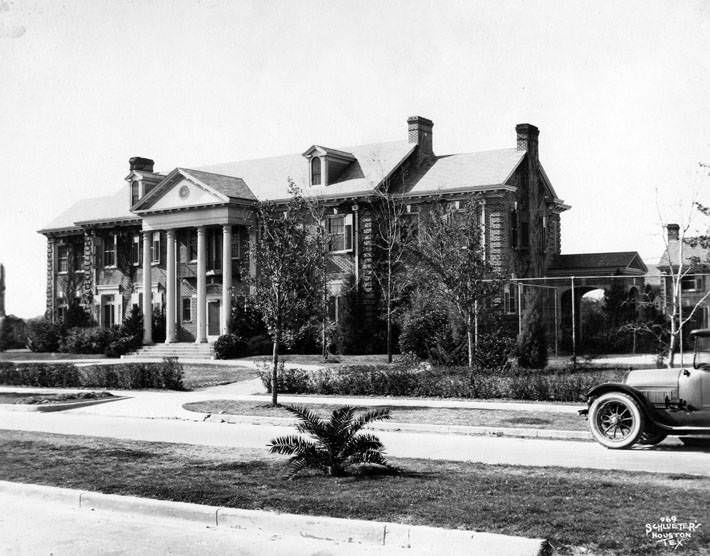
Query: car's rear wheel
(615, 420)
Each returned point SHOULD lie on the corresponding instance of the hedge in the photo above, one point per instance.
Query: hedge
(167, 375)
(401, 380)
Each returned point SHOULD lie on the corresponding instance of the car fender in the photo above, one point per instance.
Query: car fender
(644, 405)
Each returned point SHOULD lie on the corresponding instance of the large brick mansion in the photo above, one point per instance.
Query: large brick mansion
(178, 241)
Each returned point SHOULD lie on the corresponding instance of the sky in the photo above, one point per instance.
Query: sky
(619, 91)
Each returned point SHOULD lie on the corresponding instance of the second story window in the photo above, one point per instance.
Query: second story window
(110, 250)
(236, 246)
(315, 171)
(63, 258)
(135, 192)
(155, 248)
(513, 228)
(192, 246)
(136, 250)
(340, 229)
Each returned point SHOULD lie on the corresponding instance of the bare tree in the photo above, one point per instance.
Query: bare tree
(679, 267)
(286, 260)
(451, 262)
(391, 235)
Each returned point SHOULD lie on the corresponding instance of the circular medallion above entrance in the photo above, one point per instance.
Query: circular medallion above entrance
(184, 192)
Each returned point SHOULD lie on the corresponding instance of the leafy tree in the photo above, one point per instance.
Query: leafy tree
(335, 444)
(450, 262)
(286, 261)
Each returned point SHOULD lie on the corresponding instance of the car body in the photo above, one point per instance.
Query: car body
(651, 404)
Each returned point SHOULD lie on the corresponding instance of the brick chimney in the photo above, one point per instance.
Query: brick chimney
(420, 134)
(527, 139)
(673, 232)
(140, 164)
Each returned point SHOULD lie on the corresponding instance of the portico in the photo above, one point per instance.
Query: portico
(205, 234)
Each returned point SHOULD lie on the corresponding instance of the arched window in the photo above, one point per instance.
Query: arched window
(315, 171)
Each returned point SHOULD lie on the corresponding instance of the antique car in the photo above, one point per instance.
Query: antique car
(652, 404)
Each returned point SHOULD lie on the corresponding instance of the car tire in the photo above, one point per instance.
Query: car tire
(615, 420)
(651, 437)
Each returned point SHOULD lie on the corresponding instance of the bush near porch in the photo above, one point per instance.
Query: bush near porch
(401, 379)
(167, 375)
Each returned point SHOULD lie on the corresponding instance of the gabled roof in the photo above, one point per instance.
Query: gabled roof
(689, 253)
(615, 261)
(466, 171)
(328, 151)
(268, 178)
(221, 188)
(111, 208)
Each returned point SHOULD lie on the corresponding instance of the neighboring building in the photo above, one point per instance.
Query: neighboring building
(695, 282)
(2, 292)
(177, 243)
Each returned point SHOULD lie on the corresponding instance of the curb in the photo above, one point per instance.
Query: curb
(358, 531)
(510, 432)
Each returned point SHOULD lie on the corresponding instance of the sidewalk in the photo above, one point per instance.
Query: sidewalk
(81, 522)
(169, 405)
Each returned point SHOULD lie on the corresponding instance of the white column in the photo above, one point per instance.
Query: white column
(170, 320)
(226, 279)
(147, 290)
(201, 334)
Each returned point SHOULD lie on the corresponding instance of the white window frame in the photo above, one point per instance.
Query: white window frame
(62, 249)
(111, 241)
(136, 250)
(347, 232)
(155, 246)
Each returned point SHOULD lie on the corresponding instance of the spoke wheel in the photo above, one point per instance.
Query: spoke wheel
(615, 420)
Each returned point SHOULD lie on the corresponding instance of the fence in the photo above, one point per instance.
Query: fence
(612, 314)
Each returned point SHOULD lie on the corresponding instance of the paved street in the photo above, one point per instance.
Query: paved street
(32, 526)
(669, 457)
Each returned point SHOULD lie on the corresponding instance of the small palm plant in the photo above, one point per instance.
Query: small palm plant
(335, 443)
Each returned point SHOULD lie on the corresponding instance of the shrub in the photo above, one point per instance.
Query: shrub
(42, 335)
(121, 346)
(335, 444)
(425, 332)
(452, 382)
(87, 340)
(130, 376)
(13, 333)
(532, 342)
(260, 345)
(230, 346)
(247, 321)
(493, 351)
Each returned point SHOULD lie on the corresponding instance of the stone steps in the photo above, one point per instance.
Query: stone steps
(185, 350)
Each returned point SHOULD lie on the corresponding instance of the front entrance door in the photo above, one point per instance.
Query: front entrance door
(213, 307)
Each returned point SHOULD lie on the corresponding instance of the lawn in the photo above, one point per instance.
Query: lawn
(26, 355)
(604, 512)
(203, 375)
(407, 414)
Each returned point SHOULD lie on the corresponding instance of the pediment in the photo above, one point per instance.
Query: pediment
(179, 190)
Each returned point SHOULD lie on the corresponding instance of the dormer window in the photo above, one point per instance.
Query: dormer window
(315, 171)
(326, 166)
(135, 192)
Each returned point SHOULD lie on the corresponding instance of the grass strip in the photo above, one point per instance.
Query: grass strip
(603, 511)
(408, 414)
(34, 399)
